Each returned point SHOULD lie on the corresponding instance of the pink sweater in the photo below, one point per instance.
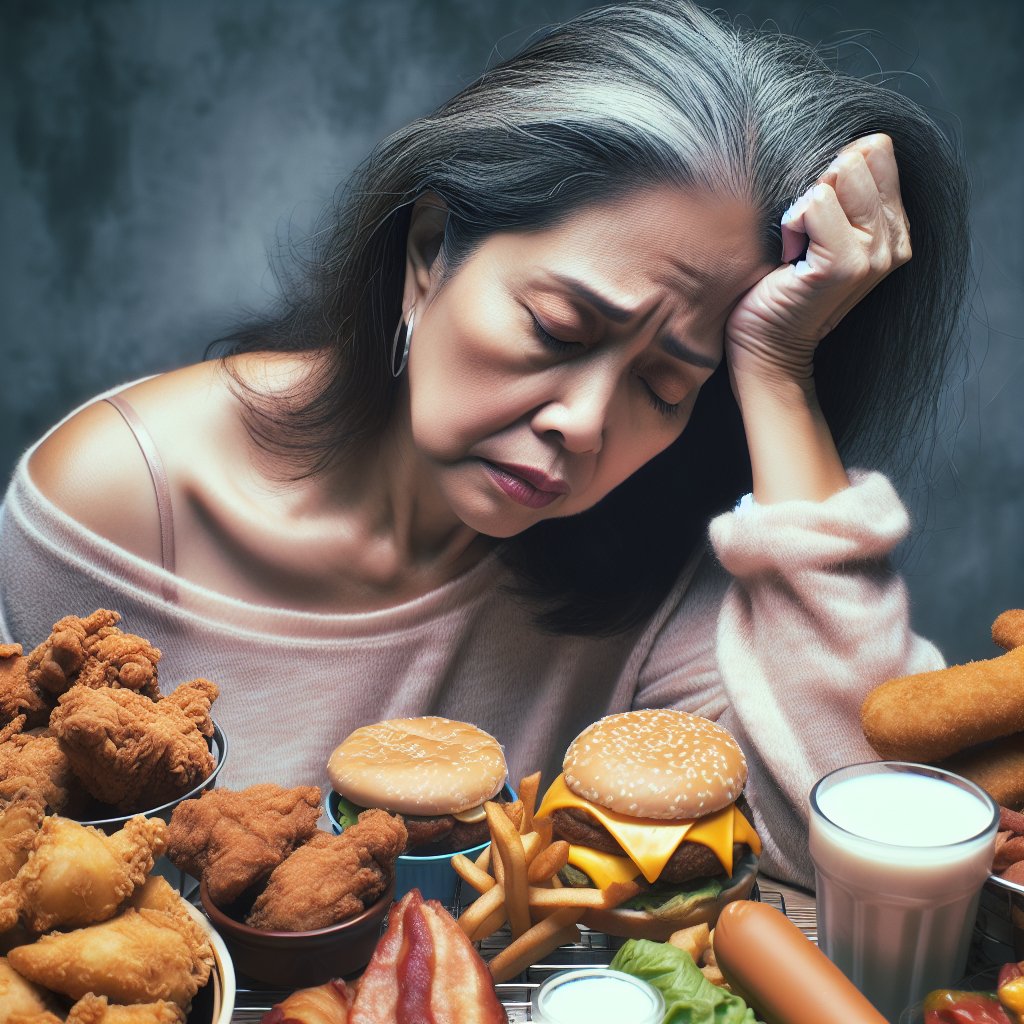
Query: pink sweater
(780, 646)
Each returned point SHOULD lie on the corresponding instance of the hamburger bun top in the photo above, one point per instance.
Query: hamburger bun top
(656, 764)
(421, 766)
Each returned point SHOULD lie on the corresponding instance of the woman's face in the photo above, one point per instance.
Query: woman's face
(554, 363)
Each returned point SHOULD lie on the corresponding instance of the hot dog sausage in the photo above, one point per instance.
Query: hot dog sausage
(774, 967)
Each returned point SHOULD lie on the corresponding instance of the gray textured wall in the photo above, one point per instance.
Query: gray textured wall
(152, 151)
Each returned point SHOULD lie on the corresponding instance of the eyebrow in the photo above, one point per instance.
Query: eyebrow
(674, 347)
(620, 315)
(607, 308)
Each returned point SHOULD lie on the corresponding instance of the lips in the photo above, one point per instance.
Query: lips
(524, 485)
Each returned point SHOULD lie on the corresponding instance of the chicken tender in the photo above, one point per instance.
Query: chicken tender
(997, 767)
(233, 839)
(131, 752)
(932, 715)
(140, 956)
(332, 877)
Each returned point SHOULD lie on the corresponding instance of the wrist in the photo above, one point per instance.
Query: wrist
(774, 385)
(792, 454)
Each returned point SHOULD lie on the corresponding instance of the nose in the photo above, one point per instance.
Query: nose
(578, 410)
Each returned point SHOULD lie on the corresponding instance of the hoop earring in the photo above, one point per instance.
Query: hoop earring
(403, 337)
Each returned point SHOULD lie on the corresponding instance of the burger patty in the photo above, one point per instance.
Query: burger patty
(690, 860)
(444, 834)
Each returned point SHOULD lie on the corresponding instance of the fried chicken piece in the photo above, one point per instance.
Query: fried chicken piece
(92, 1009)
(34, 762)
(19, 997)
(140, 956)
(56, 662)
(156, 893)
(20, 818)
(120, 659)
(332, 877)
(233, 839)
(17, 695)
(131, 752)
(76, 875)
(195, 699)
(34, 1018)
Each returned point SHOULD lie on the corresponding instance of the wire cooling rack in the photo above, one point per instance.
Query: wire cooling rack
(594, 949)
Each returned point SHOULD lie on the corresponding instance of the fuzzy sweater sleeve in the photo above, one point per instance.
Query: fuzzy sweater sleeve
(783, 653)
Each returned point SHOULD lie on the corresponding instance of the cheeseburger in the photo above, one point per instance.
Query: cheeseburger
(650, 796)
(434, 772)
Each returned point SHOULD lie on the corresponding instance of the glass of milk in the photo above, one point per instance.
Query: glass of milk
(900, 854)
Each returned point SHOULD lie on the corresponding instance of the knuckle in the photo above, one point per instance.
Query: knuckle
(856, 266)
(880, 262)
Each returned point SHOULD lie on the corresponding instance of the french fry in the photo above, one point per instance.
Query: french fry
(714, 974)
(480, 909)
(538, 941)
(528, 789)
(483, 862)
(546, 864)
(587, 899)
(471, 874)
(489, 925)
(509, 848)
(533, 845)
(541, 898)
(694, 940)
(515, 812)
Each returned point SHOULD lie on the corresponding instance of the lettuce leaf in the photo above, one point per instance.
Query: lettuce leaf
(689, 997)
(667, 905)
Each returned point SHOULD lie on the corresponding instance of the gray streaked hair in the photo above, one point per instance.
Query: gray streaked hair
(620, 98)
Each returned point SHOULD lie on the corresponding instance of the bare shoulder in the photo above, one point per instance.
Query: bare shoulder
(92, 467)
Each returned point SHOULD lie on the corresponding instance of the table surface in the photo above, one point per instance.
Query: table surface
(593, 949)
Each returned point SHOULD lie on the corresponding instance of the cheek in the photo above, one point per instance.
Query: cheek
(462, 381)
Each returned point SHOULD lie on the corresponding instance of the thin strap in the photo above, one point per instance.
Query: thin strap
(160, 483)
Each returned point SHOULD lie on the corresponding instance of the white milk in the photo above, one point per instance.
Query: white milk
(900, 854)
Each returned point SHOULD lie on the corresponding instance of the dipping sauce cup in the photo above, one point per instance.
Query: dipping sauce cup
(597, 995)
(901, 852)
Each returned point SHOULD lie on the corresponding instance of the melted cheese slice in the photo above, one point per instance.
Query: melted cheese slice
(650, 842)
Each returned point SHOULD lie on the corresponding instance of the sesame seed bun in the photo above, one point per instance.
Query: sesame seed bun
(420, 766)
(656, 764)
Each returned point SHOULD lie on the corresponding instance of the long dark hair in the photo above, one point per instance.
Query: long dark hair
(619, 98)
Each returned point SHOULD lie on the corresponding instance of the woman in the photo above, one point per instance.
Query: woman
(467, 466)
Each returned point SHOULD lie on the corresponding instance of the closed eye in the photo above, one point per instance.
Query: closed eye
(549, 340)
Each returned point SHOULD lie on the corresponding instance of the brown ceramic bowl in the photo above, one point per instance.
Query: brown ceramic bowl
(298, 959)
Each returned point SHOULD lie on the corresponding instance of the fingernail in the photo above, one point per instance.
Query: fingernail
(798, 207)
